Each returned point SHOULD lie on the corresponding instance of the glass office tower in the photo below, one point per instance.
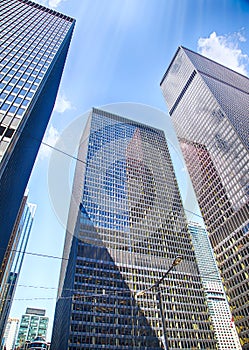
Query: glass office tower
(34, 43)
(209, 106)
(224, 328)
(14, 259)
(126, 225)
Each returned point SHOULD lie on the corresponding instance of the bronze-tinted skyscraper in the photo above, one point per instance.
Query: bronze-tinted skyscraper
(209, 106)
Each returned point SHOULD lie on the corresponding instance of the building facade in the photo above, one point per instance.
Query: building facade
(209, 106)
(33, 324)
(39, 343)
(10, 334)
(220, 313)
(34, 44)
(14, 258)
(125, 227)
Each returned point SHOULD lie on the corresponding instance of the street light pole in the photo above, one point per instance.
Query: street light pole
(159, 298)
(156, 286)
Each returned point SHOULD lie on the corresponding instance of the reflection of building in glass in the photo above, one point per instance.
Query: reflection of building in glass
(13, 259)
(34, 44)
(205, 176)
(125, 227)
(209, 106)
(33, 324)
(219, 310)
(10, 334)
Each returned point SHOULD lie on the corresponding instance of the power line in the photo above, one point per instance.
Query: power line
(189, 211)
(76, 294)
(104, 290)
(63, 152)
(87, 293)
(37, 287)
(84, 162)
(34, 254)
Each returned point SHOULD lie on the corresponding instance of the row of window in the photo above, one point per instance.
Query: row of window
(28, 62)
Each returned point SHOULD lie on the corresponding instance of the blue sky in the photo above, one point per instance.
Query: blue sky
(119, 52)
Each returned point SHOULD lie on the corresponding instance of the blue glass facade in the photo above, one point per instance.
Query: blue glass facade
(34, 44)
(126, 225)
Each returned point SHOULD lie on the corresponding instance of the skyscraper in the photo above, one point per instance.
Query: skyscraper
(33, 324)
(125, 227)
(34, 44)
(209, 106)
(14, 258)
(219, 310)
(10, 334)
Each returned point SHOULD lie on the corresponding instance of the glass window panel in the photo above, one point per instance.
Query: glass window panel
(5, 106)
(12, 109)
(20, 111)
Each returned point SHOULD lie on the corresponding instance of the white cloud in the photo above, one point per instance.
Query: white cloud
(54, 3)
(50, 3)
(48, 142)
(62, 104)
(225, 49)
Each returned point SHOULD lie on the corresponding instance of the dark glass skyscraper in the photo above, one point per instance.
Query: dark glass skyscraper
(34, 44)
(209, 106)
(126, 225)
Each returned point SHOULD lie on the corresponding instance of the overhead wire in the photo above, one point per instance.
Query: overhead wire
(76, 292)
(80, 160)
(53, 256)
(34, 254)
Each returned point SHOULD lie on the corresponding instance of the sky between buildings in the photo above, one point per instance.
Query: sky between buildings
(119, 52)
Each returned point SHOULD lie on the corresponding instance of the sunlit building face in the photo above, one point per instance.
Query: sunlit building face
(209, 106)
(31, 37)
(126, 226)
(220, 314)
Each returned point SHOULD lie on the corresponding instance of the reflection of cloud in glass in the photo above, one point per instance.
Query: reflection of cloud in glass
(115, 179)
(62, 162)
(141, 177)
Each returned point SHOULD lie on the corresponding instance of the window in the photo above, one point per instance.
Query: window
(30, 94)
(25, 102)
(10, 98)
(2, 96)
(2, 129)
(20, 111)
(23, 92)
(18, 100)
(9, 133)
(12, 109)
(5, 106)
